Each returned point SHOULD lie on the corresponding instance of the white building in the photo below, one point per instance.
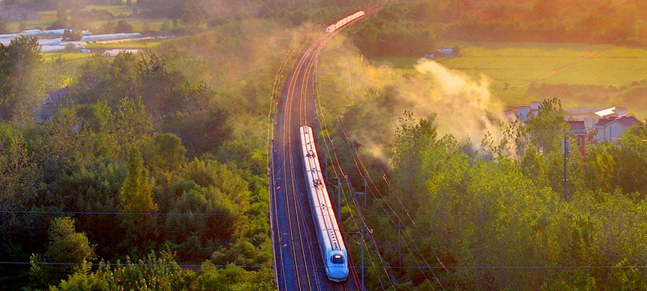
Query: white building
(613, 128)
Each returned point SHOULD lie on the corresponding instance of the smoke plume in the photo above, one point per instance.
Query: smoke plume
(464, 106)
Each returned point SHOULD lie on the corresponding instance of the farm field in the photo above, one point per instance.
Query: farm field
(47, 18)
(519, 65)
(512, 67)
(136, 44)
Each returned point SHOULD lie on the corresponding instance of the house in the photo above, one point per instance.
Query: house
(613, 128)
(445, 52)
(579, 128)
(49, 105)
(522, 112)
(591, 116)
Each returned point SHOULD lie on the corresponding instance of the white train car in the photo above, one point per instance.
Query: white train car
(331, 243)
(345, 21)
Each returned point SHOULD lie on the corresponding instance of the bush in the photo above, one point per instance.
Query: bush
(72, 35)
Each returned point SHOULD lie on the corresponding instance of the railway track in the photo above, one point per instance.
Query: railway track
(298, 261)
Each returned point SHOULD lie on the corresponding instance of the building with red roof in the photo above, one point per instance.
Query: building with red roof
(579, 128)
(613, 128)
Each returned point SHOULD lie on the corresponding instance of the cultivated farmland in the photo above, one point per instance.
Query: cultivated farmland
(513, 67)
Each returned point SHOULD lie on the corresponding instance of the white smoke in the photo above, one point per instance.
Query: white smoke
(464, 107)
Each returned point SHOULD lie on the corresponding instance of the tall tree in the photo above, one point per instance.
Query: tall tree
(19, 184)
(137, 197)
(67, 247)
(21, 85)
(136, 191)
(632, 160)
(547, 128)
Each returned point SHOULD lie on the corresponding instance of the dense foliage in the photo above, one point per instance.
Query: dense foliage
(599, 21)
(495, 216)
(416, 27)
(486, 214)
(402, 29)
(158, 151)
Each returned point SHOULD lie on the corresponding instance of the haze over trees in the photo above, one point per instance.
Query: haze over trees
(488, 214)
(414, 27)
(157, 158)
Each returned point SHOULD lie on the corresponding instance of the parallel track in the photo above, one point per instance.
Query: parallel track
(298, 260)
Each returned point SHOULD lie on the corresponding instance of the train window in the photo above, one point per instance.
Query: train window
(337, 259)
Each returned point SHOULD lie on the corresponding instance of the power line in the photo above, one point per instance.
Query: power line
(126, 213)
(443, 215)
(482, 267)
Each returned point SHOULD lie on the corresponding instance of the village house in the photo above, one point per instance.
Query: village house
(613, 128)
(578, 127)
(591, 116)
(49, 105)
(522, 112)
(603, 123)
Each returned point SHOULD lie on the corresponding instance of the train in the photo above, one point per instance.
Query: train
(331, 243)
(345, 21)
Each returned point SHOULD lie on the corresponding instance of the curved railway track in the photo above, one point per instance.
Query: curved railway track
(298, 263)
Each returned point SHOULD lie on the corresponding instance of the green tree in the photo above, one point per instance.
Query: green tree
(136, 191)
(20, 182)
(413, 141)
(193, 16)
(108, 27)
(72, 35)
(18, 175)
(91, 84)
(136, 196)
(168, 152)
(83, 280)
(601, 171)
(632, 161)
(66, 246)
(131, 123)
(166, 275)
(61, 22)
(123, 26)
(21, 81)
(533, 167)
(166, 26)
(123, 78)
(548, 127)
(232, 278)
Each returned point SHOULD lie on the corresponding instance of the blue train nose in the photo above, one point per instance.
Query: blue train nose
(339, 275)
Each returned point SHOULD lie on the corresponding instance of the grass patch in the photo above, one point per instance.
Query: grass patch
(581, 64)
(65, 56)
(140, 44)
(117, 11)
(47, 18)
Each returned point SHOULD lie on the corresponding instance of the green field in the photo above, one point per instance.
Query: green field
(47, 18)
(138, 44)
(512, 67)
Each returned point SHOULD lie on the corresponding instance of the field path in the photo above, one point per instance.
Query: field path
(557, 71)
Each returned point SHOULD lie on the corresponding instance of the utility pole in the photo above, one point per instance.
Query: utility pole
(565, 153)
(325, 161)
(363, 288)
(339, 201)
(400, 225)
(365, 192)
